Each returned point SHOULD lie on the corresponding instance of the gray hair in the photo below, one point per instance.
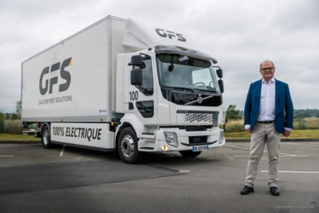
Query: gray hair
(267, 61)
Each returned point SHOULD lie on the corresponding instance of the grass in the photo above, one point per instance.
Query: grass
(15, 137)
(307, 133)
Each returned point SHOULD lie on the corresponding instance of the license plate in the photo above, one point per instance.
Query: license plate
(200, 148)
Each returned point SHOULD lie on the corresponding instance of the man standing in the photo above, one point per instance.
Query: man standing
(268, 114)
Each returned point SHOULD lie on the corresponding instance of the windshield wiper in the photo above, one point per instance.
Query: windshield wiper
(184, 88)
(205, 90)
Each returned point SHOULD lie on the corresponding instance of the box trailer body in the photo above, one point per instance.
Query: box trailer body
(122, 85)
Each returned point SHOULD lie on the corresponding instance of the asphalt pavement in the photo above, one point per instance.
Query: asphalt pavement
(68, 179)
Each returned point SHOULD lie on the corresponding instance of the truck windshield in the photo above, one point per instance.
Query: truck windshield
(189, 74)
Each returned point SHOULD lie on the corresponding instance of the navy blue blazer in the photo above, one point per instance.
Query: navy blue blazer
(284, 107)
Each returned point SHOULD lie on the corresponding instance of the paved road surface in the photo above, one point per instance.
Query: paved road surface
(33, 179)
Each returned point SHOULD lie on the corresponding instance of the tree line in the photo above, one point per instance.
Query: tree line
(14, 115)
(232, 113)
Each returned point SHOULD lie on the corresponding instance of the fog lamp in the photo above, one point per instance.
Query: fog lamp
(164, 148)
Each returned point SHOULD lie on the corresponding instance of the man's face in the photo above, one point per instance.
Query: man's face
(267, 70)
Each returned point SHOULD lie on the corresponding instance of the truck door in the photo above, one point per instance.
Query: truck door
(141, 93)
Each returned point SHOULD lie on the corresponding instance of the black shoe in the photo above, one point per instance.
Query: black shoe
(246, 190)
(274, 191)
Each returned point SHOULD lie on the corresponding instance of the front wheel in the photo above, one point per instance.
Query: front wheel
(45, 138)
(189, 154)
(127, 146)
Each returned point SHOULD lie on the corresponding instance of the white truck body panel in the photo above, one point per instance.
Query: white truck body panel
(93, 57)
(85, 135)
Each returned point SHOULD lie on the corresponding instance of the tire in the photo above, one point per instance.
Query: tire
(45, 138)
(189, 154)
(127, 146)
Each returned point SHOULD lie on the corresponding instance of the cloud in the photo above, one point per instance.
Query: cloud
(239, 34)
(297, 15)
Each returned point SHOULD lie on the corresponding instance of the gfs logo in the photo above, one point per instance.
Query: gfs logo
(54, 80)
(170, 34)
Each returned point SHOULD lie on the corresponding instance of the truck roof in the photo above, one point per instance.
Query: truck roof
(77, 33)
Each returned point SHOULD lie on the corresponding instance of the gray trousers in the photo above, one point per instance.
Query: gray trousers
(263, 134)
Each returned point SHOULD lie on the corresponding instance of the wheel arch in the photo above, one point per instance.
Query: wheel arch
(129, 120)
(120, 129)
(47, 125)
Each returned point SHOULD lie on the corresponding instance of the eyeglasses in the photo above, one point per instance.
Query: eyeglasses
(268, 68)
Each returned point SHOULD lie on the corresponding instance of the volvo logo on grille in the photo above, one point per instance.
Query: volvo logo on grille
(199, 99)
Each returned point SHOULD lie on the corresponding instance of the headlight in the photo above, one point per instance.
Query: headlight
(221, 136)
(171, 138)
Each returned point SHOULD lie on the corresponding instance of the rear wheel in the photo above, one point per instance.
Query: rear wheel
(189, 154)
(127, 146)
(45, 138)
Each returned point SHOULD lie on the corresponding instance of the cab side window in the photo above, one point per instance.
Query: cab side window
(147, 76)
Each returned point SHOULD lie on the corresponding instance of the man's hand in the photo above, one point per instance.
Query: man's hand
(249, 130)
(287, 133)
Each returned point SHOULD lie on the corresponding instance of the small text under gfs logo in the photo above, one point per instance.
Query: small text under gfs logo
(170, 34)
(54, 80)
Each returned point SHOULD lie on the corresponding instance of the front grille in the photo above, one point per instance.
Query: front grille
(193, 118)
(195, 128)
(197, 118)
(197, 139)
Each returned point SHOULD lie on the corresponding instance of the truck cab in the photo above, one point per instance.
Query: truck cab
(172, 97)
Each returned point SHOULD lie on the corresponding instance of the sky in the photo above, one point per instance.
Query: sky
(239, 34)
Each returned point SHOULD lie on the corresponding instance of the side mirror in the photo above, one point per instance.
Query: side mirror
(219, 72)
(136, 77)
(221, 85)
(136, 60)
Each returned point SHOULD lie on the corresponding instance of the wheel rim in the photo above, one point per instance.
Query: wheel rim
(45, 137)
(127, 146)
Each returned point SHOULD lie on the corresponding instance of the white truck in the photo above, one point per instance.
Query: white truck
(122, 85)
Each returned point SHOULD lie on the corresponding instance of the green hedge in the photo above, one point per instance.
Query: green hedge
(14, 126)
(307, 123)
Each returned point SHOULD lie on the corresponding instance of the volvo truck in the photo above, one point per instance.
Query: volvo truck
(125, 86)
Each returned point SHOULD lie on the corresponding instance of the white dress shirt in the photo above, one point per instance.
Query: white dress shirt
(267, 102)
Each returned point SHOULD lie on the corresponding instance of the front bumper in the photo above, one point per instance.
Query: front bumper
(212, 138)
